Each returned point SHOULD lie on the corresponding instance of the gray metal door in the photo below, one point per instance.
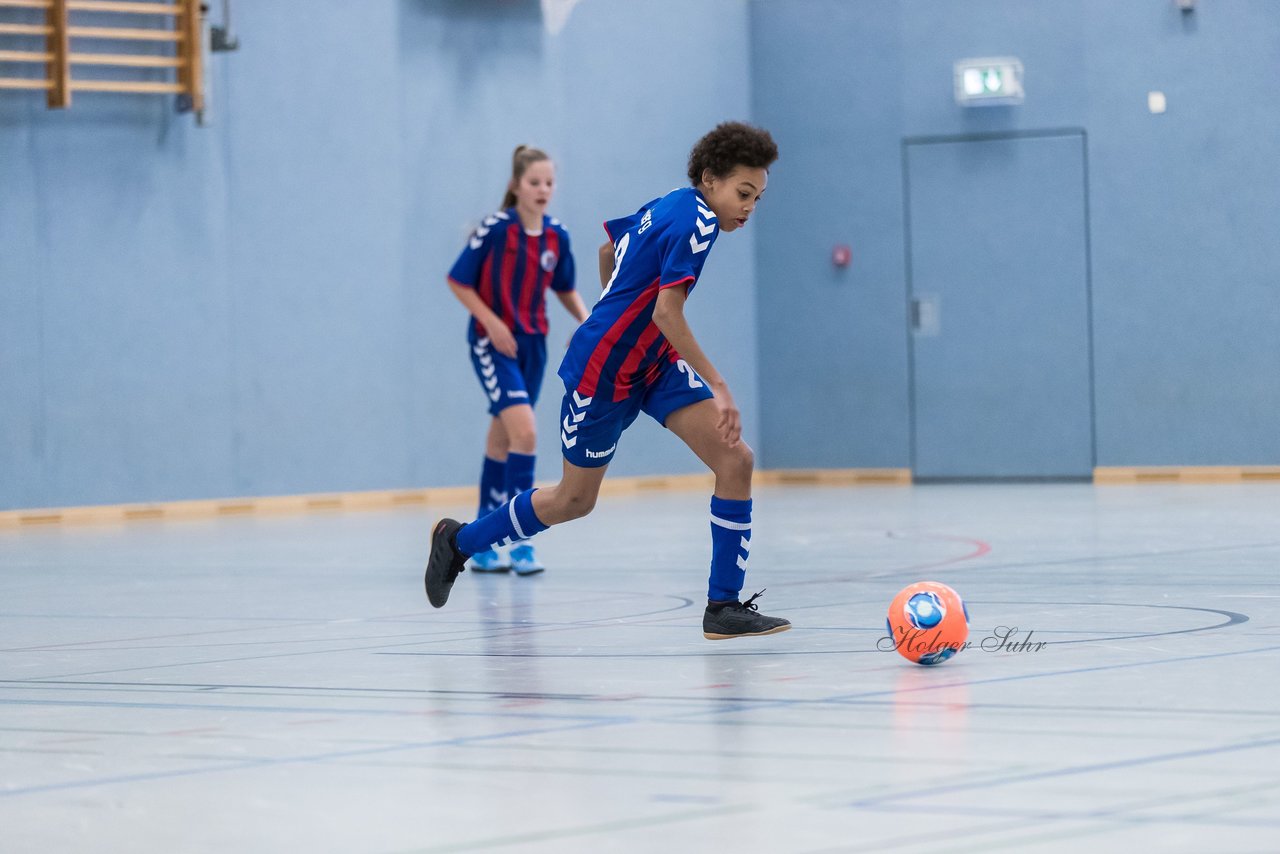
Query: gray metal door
(999, 289)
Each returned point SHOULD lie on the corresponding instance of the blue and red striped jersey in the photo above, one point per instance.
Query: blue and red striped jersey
(662, 245)
(512, 269)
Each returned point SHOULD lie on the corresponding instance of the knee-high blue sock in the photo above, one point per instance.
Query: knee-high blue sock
(520, 474)
(513, 521)
(493, 485)
(730, 547)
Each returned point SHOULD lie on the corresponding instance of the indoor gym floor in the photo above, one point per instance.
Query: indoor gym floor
(280, 683)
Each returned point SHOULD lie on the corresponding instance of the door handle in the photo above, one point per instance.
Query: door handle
(926, 315)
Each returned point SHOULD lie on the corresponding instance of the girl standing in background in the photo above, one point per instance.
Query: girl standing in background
(501, 278)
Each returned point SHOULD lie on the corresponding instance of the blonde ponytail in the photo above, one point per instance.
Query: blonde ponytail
(521, 159)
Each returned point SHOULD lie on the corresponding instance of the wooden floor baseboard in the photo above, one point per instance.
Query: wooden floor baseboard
(387, 499)
(1119, 475)
(834, 477)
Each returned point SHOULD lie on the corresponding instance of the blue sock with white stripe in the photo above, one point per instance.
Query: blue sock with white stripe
(520, 473)
(513, 521)
(493, 485)
(730, 547)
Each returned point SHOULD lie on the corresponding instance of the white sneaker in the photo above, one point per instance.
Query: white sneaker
(524, 560)
(489, 561)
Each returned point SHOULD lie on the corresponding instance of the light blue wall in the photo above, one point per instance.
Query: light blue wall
(833, 367)
(258, 307)
(1184, 211)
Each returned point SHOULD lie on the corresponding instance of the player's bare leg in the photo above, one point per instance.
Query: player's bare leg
(496, 443)
(572, 498)
(518, 429)
(732, 464)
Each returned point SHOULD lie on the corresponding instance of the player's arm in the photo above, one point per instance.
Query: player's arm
(668, 316)
(503, 341)
(606, 263)
(573, 304)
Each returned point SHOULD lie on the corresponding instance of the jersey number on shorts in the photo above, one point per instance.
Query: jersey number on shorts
(694, 381)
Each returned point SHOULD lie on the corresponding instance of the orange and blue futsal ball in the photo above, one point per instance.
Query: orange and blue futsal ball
(928, 622)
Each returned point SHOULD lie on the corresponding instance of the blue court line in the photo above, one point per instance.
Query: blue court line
(559, 835)
(97, 645)
(294, 760)
(1063, 772)
(765, 703)
(524, 629)
(7, 615)
(697, 653)
(301, 692)
(464, 634)
(1232, 618)
(501, 629)
(1116, 815)
(1105, 558)
(469, 633)
(608, 722)
(751, 705)
(728, 705)
(1071, 672)
(308, 710)
(969, 563)
(408, 693)
(304, 691)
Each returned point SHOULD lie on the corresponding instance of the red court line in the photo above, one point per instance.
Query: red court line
(979, 549)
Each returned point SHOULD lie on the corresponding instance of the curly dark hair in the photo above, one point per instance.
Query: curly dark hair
(731, 144)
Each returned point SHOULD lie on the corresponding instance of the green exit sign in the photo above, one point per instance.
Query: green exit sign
(988, 82)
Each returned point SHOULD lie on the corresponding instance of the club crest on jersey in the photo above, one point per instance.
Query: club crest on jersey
(548, 260)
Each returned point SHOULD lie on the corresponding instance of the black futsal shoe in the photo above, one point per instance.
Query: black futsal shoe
(734, 619)
(445, 563)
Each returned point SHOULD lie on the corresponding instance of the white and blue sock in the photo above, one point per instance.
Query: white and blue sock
(513, 521)
(730, 547)
(493, 485)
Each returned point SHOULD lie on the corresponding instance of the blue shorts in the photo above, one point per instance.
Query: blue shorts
(507, 381)
(590, 427)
